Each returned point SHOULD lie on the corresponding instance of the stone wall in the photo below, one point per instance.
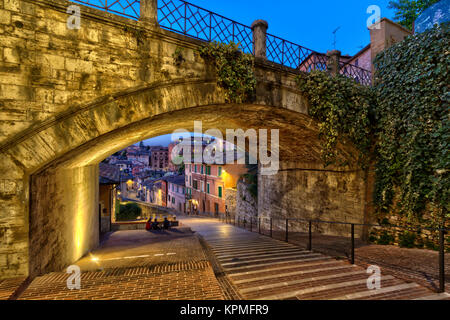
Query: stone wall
(230, 201)
(51, 68)
(64, 220)
(149, 210)
(13, 219)
(305, 191)
(246, 204)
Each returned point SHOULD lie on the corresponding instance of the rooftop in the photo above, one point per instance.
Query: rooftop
(109, 174)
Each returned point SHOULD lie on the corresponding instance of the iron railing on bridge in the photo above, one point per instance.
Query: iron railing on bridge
(360, 75)
(127, 8)
(188, 19)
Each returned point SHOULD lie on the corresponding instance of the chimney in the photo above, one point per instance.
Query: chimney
(384, 34)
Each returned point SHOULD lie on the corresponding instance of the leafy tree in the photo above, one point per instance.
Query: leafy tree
(181, 168)
(251, 179)
(407, 11)
(127, 212)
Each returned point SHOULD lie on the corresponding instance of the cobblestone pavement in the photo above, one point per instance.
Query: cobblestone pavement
(264, 268)
(137, 265)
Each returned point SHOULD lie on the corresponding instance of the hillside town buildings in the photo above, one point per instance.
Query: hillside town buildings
(147, 174)
(206, 186)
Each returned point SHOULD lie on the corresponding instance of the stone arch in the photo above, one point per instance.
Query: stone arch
(55, 163)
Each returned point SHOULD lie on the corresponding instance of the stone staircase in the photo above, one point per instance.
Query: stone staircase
(262, 268)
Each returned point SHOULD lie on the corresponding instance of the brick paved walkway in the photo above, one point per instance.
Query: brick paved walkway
(137, 265)
(9, 286)
(264, 268)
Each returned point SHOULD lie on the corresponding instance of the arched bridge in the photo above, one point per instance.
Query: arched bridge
(71, 97)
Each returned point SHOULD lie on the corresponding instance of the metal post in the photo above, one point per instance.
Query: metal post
(239, 221)
(353, 245)
(271, 227)
(310, 236)
(259, 225)
(287, 230)
(185, 18)
(244, 223)
(251, 224)
(210, 27)
(441, 261)
(233, 34)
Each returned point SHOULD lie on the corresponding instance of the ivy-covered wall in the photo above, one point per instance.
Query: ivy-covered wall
(400, 127)
(412, 150)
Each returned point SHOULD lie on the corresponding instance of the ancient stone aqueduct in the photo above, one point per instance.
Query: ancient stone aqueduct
(69, 98)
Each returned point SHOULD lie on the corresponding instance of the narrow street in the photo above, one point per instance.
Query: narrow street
(205, 259)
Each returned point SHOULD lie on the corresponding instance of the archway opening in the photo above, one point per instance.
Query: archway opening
(64, 223)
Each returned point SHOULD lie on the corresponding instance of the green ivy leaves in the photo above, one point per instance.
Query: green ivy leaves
(402, 124)
(343, 108)
(413, 126)
(235, 70)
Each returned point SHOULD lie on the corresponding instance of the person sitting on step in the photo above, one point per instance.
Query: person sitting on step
(166, 224)
(155, 225)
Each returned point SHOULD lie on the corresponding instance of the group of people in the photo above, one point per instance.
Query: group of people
(154, 225)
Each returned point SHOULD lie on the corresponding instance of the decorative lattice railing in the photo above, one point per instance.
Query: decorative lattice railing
(126, 8)
(293, 55)
(199, 23)
(360, 75)
(190, 20)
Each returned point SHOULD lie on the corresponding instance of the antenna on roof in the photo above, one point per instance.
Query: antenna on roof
(334, 33)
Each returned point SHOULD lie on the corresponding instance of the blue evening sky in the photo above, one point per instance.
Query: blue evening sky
(308, 23)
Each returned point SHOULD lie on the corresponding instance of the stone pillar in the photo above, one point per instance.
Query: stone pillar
(149, 12)
(259, 28)
(333, 61)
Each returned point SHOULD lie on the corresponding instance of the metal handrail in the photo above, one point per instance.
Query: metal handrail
(442, 232)
(360, 75)
(247, 224)
(125, 8)
(362, 224)
(202, 24)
